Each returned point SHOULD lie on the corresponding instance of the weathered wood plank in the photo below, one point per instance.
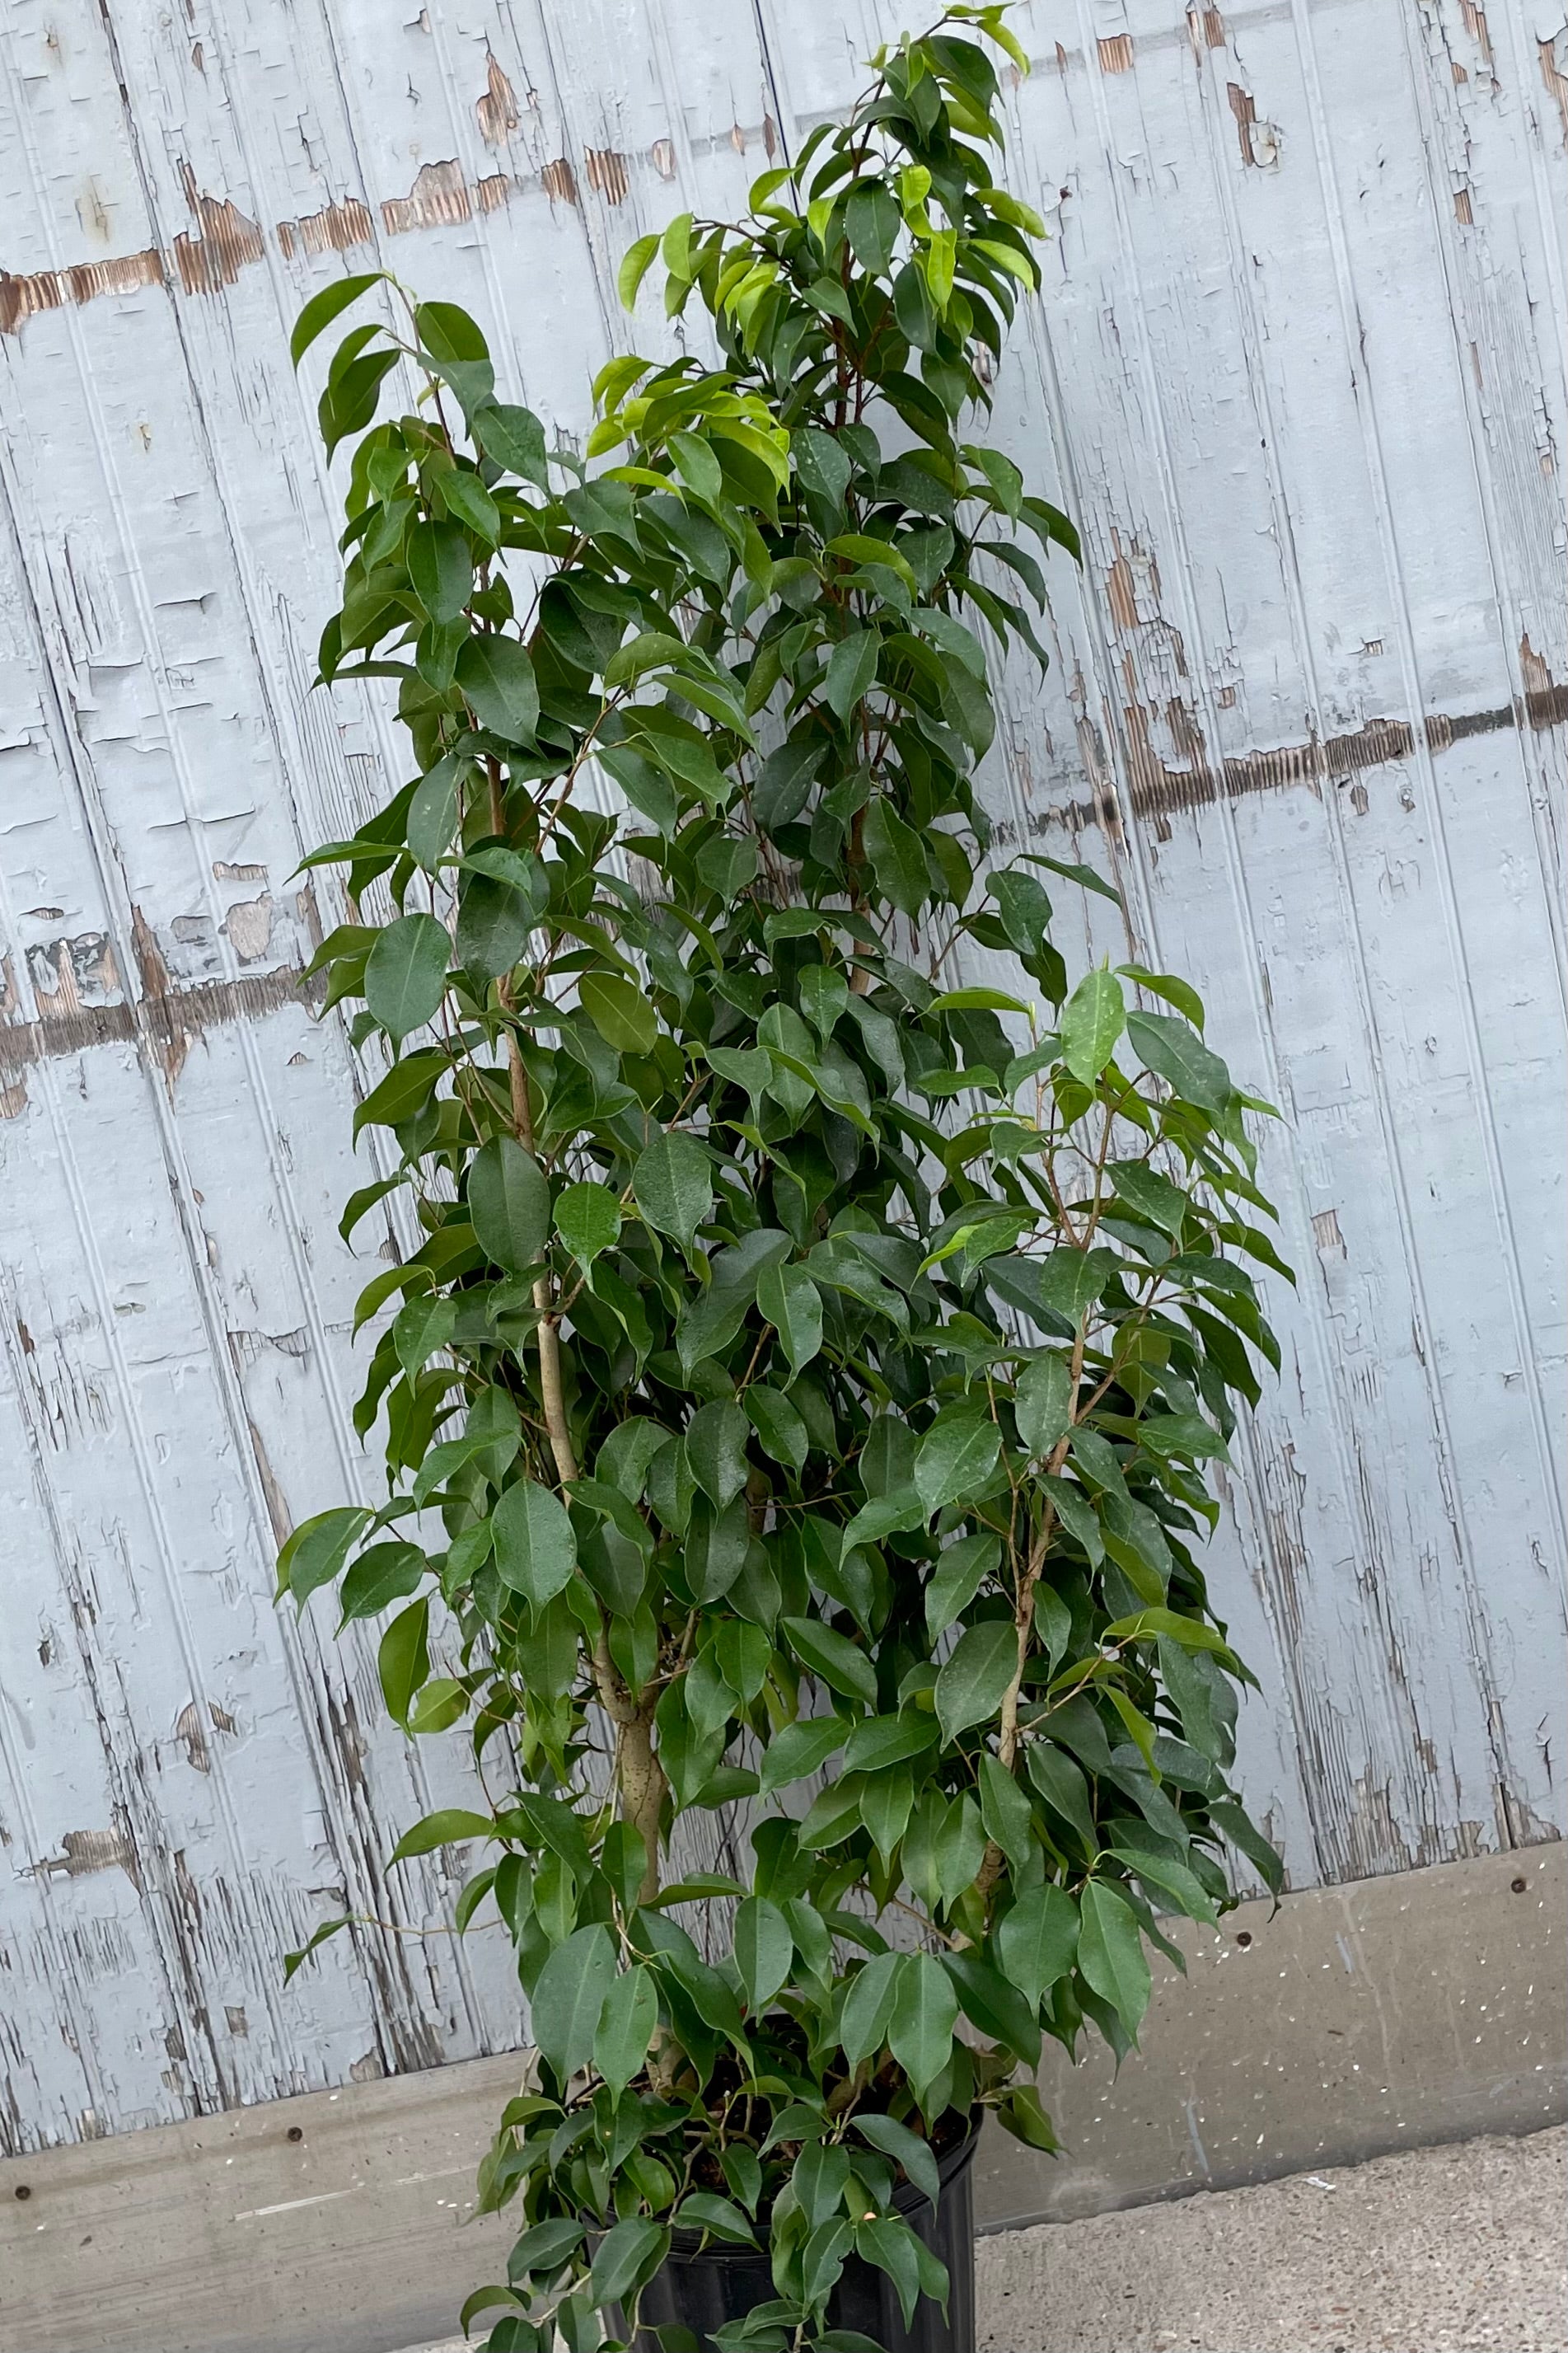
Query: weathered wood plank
(1295, 371)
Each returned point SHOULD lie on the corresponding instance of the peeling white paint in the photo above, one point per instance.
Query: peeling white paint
(1311, 702)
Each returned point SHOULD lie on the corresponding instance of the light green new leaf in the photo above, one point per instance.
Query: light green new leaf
(621, 1014)
(969, 1688)
(635, 262)
(406, 974)
(1091, 1023)
(1110, 1953)
(535, 1548)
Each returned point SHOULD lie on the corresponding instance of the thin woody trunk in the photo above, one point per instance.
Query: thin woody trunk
(639, 1773)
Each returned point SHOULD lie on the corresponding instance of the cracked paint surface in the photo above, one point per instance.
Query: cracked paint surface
(1310, 701)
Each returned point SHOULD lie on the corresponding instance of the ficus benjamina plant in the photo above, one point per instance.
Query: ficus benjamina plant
(803, 1374)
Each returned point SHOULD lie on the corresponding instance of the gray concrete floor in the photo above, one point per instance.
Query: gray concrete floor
(1454, 2249)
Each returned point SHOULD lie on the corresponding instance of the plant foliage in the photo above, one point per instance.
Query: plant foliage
(803, 1387)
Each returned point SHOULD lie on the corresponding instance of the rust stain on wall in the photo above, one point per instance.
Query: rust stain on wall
(1553, 75)
(1259, 140)
(22, 298)
(606, 174)
(1480, 32)
(439, 196)
(86, 1851)
(224, 243)
(332, 230)
(558, 179)
(497, 108)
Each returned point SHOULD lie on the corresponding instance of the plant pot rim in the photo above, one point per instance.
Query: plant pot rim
(686, 2246)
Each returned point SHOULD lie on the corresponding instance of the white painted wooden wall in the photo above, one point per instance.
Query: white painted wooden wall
(1296, 370)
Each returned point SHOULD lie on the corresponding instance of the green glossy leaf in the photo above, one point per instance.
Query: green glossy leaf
(798, 1750)
(897, 858)
(703, 2210)
(955, 1458)
(1174, 1052)
(970, 1686)
(402, 1660)
(1037, 1943)
(962, 1568)
(765, 1948)
(535, 1549)
(851, 671)
(588, 1220)
(440, 569)
(317, 1550)
(839, 1663)
(925, 2012)
(620, 1013)
(508, 1202)
(792, 1303)
(1043, 1405)
(321, 309)
(672, 1185)
(627, 2023)
(716, 1450)
(448, 1829)
(780, 1430)
(406, 974)
(868, 2008)
(569, 1997)
(497, 677)
(1091, 1023)
(1110, 1953)
(905, 2148)
(543, 2250)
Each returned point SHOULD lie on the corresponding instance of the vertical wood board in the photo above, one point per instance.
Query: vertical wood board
(1298, 371)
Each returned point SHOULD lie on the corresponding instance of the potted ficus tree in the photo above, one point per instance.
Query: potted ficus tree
(803, 1373)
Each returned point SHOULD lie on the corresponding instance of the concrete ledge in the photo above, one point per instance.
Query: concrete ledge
(1385, 2015)
(1390, 2013)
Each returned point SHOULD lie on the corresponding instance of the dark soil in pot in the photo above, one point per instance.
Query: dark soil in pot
(702, 2291)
